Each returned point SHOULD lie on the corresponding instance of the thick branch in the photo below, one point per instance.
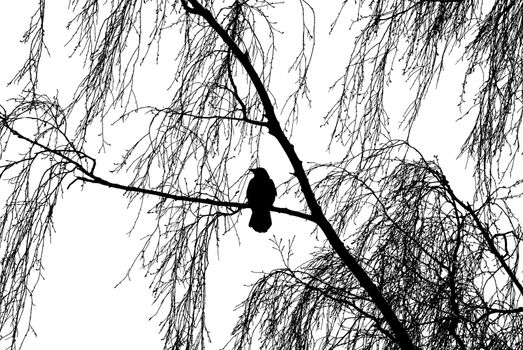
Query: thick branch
(275, 129)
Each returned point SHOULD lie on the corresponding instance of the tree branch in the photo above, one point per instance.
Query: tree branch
(100, 181)
(402, 337)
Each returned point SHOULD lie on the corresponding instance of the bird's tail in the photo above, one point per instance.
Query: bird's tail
(260, 220)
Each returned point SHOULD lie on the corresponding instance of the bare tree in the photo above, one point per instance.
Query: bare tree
(421, 269)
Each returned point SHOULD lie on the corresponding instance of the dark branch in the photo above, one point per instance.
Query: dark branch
(275, 129)
(97, 180)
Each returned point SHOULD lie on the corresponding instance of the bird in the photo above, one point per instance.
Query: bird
(261, 194)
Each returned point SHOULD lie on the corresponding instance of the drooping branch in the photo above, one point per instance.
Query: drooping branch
(36, 182)
(35, 37)
(414, 40)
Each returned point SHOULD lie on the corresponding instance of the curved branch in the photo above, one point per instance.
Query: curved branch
(402, 337)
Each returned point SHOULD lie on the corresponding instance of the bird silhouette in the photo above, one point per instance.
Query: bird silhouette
(261, 193)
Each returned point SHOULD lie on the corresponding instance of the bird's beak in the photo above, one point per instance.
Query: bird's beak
(251, 170)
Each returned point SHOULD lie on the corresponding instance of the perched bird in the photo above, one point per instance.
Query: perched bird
(261, 193)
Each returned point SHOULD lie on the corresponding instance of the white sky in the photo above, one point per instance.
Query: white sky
(77, 306)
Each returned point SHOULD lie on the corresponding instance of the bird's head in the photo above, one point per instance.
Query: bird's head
(259, 172)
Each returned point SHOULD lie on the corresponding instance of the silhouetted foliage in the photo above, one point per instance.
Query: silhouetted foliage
(406, 263)
(419, 37)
